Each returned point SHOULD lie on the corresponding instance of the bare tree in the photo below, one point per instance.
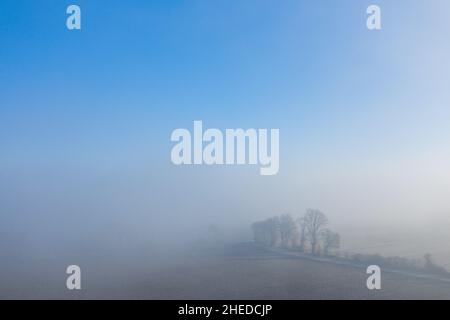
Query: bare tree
(261, 233)
(267, 232)
(315, 221)
(288, 230)
(274, 230)
(302, 224)
(331, 240)
(431, 267)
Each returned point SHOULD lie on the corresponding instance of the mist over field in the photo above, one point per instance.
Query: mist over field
(86, 119)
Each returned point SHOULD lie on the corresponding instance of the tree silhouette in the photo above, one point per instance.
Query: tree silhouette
(302, 230)
(315, 221)
(288, 230)
(331, 240)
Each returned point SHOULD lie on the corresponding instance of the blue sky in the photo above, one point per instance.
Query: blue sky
(148, 66)
(93, 110)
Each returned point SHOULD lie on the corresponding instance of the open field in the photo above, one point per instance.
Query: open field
(245, 272)
(240, 271)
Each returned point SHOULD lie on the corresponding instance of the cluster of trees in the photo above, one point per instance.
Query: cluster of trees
(308, 233)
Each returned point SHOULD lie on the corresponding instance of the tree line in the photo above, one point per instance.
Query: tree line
(309, 233)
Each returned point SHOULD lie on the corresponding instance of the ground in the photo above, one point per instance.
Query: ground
(246, 272)
(239, 271)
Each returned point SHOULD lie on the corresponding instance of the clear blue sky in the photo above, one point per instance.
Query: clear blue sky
(141, 68)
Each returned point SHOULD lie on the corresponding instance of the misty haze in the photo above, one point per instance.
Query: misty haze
(362, 176)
